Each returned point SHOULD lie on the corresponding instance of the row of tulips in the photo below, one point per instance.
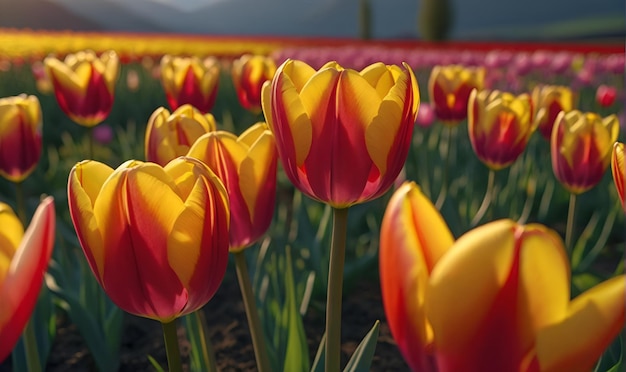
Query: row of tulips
(342, 137)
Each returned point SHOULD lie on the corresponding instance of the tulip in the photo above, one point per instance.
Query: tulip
(247, 166)
(606, 95)
(169, 136)
(499, 300)
(499, 125)
(342, 135)
(413, 238)
(20, 136)
(156, 238)
(581, 146)
(618, 168)
(84, 85)
(449, 88)
(24, 259)
(249, 72)
(548, 102)
(190, 81)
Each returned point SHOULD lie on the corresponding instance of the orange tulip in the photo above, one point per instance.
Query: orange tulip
(342, 135)
(169, 136)
(247, 166)
(190, 81)
(20, 136)
(84, 85)
(618, 168)
(24, 259)
(449, 88)
(413, 237)
(548, 102)
(581, 147)
(499, 126)
(249, 72)
(156, 238)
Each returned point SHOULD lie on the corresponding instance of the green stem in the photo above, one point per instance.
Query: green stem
(90, 142)
(207, 347)
(569, 229)
(441, 198)
(484, 206)
(171, 346)
(30, 339)
(335, 286)
(249, 302)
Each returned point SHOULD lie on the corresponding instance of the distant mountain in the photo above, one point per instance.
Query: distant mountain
(38, 14)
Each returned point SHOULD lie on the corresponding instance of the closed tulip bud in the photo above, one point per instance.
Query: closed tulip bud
(618, 168)
(581, 147)
(413, 237)
(342, 135)
(449, 88)
(24, 259)
(247, 166)
(499, 300)
(548, 102)
(169, 136)
(84, 85)
(190, 80)
(249, 72)
(20, 136)
(156, 238)
(499, 126)
(606, 95)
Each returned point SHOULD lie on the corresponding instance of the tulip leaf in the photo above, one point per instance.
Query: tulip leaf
(201, 354)
(361, 360)
(155, 364)
(318, 362)
(297, 353)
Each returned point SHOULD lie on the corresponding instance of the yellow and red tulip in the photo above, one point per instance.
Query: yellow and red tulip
(499, 125)
(449, 88)
(24, 259)
(170, 135)
(20, 136)
(190, 80)
(249, 72)
(84, 85)
(581, 147)
(618, 168)
(342, 135)
(156, 238)
(548, 102)
(247, 166)
(413, 238)
(499, 300)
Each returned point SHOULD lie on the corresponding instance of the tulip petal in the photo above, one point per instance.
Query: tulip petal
(11, 235)
(594, 319)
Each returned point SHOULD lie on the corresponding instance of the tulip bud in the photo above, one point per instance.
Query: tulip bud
(449, 88)
(618, 168)
(20, 136)
(190, 81)
(605, 95)
(548, 101)
(84, 85)
(249, 72)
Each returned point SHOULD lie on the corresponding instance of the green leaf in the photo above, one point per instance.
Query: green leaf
(155, 364)
(361, 360)
(202, 357)
(297, 353)
(318, 362)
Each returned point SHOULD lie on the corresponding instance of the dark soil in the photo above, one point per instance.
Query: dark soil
(228, 330)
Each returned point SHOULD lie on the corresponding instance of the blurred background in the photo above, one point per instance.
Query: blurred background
(534, 20)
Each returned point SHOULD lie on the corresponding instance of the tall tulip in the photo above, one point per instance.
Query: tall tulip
(170, 135)
(156, 238)
(247, 166)
(548, 102)
(449, 88)
(618, 168)
(84, 85)
(413, 238)
(249, 72)
(499, 300)
(499, 125)
(190, 80)
(342, 135)
(24, 259)
(581, 147)
(20, 136)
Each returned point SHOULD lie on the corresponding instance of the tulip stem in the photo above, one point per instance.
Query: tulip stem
(21, 203)
(569, 229)
(249, 302)
(484, 206)
(171, 346)
(441, 198)
(332, 362)
(90, 142)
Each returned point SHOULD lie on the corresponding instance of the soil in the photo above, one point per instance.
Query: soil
(229, 333)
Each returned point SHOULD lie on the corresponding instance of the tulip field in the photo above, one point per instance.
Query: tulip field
(184, 203)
